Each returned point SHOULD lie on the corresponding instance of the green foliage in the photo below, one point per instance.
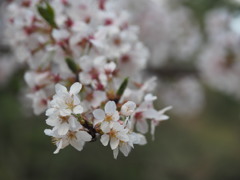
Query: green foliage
(122, 87)
(47, 13)
(72, 65)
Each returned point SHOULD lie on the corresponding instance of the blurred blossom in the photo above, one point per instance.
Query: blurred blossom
(7, 68)
(168, 29)
(219, 61)
(185, 95)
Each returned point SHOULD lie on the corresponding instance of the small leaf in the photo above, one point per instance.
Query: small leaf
(72, 65)
(122, 87)
(47, 13)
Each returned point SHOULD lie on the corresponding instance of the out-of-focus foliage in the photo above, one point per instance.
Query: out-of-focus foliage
(205, 147)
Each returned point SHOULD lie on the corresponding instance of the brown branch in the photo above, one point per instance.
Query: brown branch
(173, 72)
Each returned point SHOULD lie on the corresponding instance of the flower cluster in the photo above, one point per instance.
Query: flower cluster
(219, 61)
(177, 36)
(91, 48)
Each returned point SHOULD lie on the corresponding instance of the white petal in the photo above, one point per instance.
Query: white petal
(123, 137)
(59, 146)
(150, 98)
(77, 144)
(78, 109)
(142, 126)
(76, 100)
(105, 127)
(85, 78)
(125, 149)
(65, 112)
(115, 153)
(60, 89)
(165, 109)
(153, 130)
(50, 111)
(128, 108)
(75, 88)
(114, 143)
(110, 107)
(99, 114)
(63, 129)
(104, 139)
(72, 122)
(52, 121)
(84, 136)
(115, 116)
(48, 132)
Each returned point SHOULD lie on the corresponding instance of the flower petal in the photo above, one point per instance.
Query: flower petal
(78, 109)
(105, 126)
(114, 143)
(75, 88)
(104, 139)
(59, 146)
(110, 107)
(84, 136)
(115, 153)
(99, 114)
(60, 89)
(142, 126)
(50, 111)
(77, 144)
(63, 129)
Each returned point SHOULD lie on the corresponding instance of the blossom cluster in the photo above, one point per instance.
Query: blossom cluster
(85, 60)
(219, 59)
(177, 37)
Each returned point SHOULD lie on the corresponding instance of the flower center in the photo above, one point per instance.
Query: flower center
(108, 118)
(112, 133)
(71, 135)
(64, 119)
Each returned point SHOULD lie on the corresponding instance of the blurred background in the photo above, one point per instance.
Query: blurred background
(195, 53)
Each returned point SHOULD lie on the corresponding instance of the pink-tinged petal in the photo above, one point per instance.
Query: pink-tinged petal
(142, 126)
(99, 114)
(104, 139)
(60, 89)
(75, 88)
(114, 142)
(78, 109)
(83, 136)
(110, 107)
(63, 129)
(105, 127)
(115, 153)
(77, 144)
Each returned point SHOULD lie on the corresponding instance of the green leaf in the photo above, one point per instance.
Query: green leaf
(47, 13)
(122, 87)
(72, 65)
